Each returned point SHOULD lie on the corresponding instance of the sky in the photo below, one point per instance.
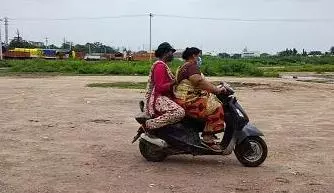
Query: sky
(313, 30)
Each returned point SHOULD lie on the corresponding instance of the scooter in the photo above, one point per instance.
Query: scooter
(240, 135)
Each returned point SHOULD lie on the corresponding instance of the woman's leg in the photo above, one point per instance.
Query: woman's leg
(214, 116)
(214, 122)
(209, 109)
(170, 113)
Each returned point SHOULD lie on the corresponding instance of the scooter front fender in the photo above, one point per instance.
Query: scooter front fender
(247, 131)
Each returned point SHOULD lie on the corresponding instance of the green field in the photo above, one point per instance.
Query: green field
(212, 66)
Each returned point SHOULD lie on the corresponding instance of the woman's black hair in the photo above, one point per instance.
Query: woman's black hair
(163, 48)
(189, 52)
(159, 53)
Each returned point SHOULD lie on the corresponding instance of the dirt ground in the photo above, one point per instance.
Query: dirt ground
(57, 135)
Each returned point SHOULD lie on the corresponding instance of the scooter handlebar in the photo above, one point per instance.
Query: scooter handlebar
(228, 88)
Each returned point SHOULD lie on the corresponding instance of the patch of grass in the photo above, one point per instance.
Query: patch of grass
(29, 75)
(212, 66)
(123, 85)
(274, 74)
(4, 63)
(319, 69)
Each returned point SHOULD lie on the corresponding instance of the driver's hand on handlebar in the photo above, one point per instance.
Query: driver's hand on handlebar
(220, 89)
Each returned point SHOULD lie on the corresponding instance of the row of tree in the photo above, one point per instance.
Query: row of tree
(287, 52)
(96, 47)
(294, 52)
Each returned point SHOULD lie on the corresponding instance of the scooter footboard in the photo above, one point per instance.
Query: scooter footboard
(247, 131)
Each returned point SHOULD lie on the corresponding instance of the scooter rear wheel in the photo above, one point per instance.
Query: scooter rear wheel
(257, 157)
(151, 152)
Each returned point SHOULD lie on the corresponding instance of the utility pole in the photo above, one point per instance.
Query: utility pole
(151, 15)
(0, 41)
(46, 42)
(64, 43)
(6, 31)
(18, 35)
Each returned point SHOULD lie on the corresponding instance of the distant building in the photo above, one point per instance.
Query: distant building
(36, 44)
(249, 54)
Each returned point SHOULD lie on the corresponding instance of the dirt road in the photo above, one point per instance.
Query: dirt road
(57, 135)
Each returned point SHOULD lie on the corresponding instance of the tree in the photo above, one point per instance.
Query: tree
(304, 53)
(66, 45)
(236, 56)
(81, 48)
(284, 53)
(332, 50)
(95, 47)
(224, 55)
(288, 52)
(19, 44)
(294, 52)
(52, 46)
(263, 55)
(315, 53)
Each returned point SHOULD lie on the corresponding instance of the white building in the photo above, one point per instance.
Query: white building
(37, 44)
(249, 54)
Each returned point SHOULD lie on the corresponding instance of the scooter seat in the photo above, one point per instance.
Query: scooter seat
(141, 118)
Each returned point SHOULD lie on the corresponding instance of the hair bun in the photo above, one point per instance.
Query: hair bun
(188, 52)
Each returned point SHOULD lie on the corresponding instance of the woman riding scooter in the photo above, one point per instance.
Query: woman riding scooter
(197, 96)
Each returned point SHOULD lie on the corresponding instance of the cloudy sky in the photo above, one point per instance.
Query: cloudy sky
(312, 27)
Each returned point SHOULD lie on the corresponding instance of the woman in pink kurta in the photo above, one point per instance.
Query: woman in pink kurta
(159, 96)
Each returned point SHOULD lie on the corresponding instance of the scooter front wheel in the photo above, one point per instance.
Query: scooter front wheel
(258, 154)
(151, 152)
